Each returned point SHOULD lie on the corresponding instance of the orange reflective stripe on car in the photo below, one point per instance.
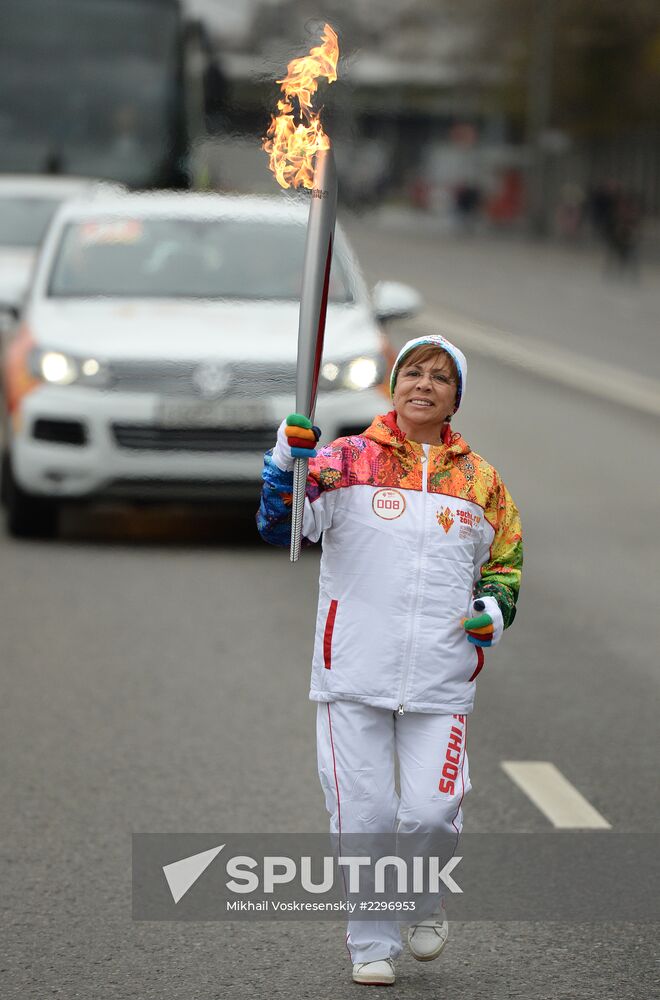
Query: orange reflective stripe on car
(18, 379)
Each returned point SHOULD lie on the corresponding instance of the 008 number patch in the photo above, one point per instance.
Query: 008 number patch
(388, 504)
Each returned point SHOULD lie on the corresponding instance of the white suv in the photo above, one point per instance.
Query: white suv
(27, 204)
(156, 353)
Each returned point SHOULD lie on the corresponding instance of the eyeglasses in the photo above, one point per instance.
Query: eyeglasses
(439, 377)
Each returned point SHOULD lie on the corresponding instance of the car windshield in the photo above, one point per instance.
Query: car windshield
(23, 220)
(186, 258)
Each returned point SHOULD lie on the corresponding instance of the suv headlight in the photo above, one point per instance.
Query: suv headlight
(361, 373)
(58, 368)
(358, 373)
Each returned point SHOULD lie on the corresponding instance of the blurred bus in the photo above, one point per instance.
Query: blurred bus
(102, 88)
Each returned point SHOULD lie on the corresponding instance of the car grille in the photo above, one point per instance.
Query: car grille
(150, 437)
(170, 378)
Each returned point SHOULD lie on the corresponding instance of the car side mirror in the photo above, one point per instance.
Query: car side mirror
(393, 300)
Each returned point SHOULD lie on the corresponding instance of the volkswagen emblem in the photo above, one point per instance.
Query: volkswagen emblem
(211, 378)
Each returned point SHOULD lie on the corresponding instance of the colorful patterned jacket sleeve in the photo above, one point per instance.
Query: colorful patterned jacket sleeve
(501, 573)
(274, 514)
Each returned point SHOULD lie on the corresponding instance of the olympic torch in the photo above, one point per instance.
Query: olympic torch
(300, 155)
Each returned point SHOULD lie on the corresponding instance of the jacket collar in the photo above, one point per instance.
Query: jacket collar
(385, 430)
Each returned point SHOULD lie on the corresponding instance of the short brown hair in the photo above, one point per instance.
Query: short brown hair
(425, 352)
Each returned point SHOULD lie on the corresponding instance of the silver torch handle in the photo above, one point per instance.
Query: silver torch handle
(311, 323)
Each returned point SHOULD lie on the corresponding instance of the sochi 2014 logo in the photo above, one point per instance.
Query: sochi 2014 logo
(388, 504)
(445, 518)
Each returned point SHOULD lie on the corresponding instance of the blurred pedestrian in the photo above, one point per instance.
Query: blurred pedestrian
(467, 203)
(422, 556)
(420, 193)
(570, 211)
(627, 233)
(505, 206)
(616, 217)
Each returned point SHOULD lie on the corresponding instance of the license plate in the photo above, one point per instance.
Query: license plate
(194, 413)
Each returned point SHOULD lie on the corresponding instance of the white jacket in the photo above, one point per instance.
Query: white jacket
(411, 534)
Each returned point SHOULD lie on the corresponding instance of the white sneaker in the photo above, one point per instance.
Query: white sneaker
(379, 973)
(427, 938)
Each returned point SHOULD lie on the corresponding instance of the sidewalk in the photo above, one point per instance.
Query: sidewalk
(559, 296)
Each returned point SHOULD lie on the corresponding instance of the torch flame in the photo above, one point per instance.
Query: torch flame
(291, 147)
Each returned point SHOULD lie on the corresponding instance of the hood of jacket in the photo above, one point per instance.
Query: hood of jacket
(385, 431)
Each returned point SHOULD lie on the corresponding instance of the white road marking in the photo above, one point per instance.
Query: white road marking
(554, 795)
(555, 363)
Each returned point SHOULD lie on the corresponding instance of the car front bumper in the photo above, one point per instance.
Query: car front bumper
(116, 449)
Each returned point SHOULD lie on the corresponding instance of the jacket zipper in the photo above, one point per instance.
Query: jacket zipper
(420, 553)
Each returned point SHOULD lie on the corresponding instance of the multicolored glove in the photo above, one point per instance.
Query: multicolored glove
(486, 625)
(296, 438)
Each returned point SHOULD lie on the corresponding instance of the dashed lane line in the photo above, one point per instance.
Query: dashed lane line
(539, 357)
(554, 795)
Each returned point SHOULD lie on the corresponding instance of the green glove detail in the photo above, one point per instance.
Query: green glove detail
(298, 420)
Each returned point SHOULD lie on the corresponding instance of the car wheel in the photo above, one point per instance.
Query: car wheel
(26, 515)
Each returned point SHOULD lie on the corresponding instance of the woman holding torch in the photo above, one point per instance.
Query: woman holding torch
(421, 565)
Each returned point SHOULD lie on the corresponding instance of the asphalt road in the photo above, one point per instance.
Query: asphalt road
(155, 677)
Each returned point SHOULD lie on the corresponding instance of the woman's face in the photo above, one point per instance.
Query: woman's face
(424, 396)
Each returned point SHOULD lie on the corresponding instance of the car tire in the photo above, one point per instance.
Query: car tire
(26, 515)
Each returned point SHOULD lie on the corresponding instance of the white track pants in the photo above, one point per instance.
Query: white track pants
(357, 745)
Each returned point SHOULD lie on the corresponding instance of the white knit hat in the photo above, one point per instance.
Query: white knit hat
(437, 341)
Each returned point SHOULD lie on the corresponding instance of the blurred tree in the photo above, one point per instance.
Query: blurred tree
(605, 70)
(573, 73)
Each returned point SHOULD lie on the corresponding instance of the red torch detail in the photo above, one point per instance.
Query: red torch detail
(321, 329)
